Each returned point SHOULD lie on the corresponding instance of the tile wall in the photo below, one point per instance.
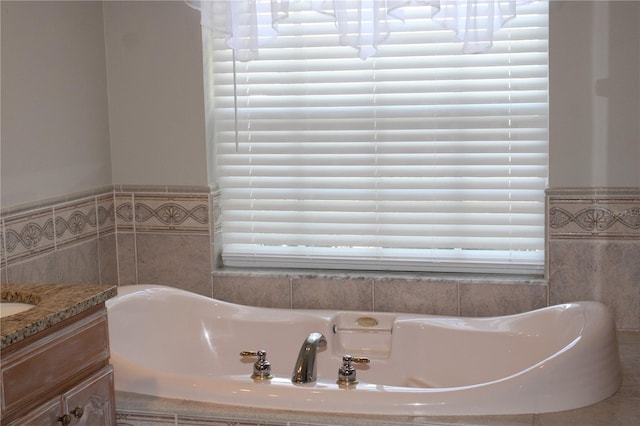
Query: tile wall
(133, 234)
(122, 235)
(163, 237)
(593, 249)
(68, 240)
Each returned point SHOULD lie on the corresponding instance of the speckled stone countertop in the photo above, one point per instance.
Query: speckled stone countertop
(54, 303)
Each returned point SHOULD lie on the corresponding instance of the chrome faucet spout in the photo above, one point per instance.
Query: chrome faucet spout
(305, 368)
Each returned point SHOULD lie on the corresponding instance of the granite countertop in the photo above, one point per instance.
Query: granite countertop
(54, 303)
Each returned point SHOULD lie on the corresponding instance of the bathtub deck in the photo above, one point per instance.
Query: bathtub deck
(623, 408)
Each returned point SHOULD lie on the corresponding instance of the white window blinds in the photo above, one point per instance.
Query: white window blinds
(422, 158)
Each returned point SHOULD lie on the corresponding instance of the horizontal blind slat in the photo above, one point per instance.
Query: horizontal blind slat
(419, 153)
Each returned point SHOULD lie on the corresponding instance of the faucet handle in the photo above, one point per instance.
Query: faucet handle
(262, 367)
(347, 373)
(358, 359)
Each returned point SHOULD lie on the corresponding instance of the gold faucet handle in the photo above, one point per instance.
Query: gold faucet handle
(360, 360)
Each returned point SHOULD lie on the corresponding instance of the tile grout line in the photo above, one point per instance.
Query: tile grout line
(117, 245)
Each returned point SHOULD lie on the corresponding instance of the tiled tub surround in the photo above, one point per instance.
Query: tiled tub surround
(66, 240)
(439, 294)
(121, 235)
(163, 238)
(162, 235)
(593, 249)
(593, 253)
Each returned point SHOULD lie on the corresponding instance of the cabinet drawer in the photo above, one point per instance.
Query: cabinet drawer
(51, 362)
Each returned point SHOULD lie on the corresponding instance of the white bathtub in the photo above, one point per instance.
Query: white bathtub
(170, 343)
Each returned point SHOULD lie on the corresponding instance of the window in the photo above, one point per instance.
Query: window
(419, 159)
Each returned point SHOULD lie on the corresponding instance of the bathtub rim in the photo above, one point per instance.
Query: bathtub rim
(144, 287)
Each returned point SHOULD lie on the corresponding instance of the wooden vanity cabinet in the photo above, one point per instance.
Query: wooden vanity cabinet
(90, 403)
(61, 376)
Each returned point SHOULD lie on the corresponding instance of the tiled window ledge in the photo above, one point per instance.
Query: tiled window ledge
(440, 277)
(422, 293)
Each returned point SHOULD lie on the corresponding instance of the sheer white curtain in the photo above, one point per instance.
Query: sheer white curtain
(361, 24)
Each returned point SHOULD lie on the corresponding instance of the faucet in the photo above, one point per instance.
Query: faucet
(305, 368)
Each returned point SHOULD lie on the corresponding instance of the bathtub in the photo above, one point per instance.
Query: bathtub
(170, 343)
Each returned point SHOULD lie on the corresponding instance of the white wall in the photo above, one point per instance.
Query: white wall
(65, 130)
(594, 86)
(156, 101)
(59, 136)
(595, 93)
(55, 134)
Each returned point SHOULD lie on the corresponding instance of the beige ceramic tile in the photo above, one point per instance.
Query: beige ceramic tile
(332, 294)
(3, 260)
(415, 296)
(216, 251)
(605, 271)
(190, 420)
(574, 268)
(267, 291)
(504, 420)
(133, 418)
(174, 259)
(108, 260)
(78, 263)
(126, 258)
(610, 412)
(39, 269)
(483, 300)
(629, 343)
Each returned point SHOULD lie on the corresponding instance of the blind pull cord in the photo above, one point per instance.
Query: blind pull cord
(235, 99)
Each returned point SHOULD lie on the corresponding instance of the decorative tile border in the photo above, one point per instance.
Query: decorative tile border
(48, 228)
(593, 213)
(38, 229)
(124, 212)
(216, 210)
(75, 222)
(171, 213)
(106, 214)
(29, 234)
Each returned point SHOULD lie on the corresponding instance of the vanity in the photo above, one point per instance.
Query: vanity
(54, 360)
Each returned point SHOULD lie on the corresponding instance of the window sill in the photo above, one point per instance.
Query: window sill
(436, 277)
